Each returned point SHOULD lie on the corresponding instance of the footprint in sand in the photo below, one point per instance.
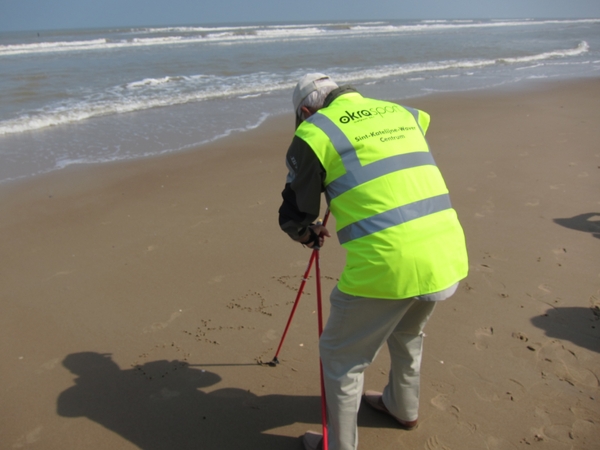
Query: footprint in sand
(556, 432)
(554, 357)
(434, 443)
(162, 325)
(443, 403)
(560, 254)
(581, 433)
(443, 387)
(269, 336)
(29, 438)
(482, 337)
(586, 414)
(487, 209)
(442, 400)
(462, 436)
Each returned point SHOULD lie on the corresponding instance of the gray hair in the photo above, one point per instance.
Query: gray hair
(314, 100)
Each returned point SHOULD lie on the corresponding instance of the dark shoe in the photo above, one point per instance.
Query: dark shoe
(312, 440)
(374, 400)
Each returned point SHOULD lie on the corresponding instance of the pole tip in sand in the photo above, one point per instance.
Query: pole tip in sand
(274, 362)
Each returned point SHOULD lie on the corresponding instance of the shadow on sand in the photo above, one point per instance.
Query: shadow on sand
(579, 325)
(160, 406)
(582, 222)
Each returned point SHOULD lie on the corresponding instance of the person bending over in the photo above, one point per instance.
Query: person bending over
(405, 247)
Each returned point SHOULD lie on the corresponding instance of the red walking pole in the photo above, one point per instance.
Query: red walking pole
(320, 321)
(313, 257)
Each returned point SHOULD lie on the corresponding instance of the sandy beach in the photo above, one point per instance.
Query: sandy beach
(138, 298)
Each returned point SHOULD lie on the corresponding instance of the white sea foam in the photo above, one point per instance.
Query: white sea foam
(106, 95)
(148, 82)
(433, 26)
(583, 47)
(534, 66)
(151, 93)
(240, 34)
(262, 118)
(250, 96)
(121, 100)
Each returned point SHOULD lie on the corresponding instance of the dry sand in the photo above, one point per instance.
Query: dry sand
(136, 298)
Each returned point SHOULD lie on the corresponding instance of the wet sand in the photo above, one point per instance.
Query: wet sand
(138, 297)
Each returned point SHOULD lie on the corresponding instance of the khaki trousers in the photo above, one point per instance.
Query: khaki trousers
(356, 330)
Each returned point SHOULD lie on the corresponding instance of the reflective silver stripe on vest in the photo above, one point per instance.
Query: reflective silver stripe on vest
(415, 113)
(393, 217)
(377, 169)
(339, 140)
(357, 174)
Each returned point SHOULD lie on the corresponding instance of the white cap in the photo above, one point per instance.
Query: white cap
(309, 83)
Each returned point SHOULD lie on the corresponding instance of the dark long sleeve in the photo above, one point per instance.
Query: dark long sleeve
(302, 193)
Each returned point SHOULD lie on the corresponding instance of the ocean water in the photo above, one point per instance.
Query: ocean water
(99, 95)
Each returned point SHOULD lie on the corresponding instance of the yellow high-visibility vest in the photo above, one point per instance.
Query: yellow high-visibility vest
(391, 205)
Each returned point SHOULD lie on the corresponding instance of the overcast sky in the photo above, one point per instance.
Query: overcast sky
(56, 14)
